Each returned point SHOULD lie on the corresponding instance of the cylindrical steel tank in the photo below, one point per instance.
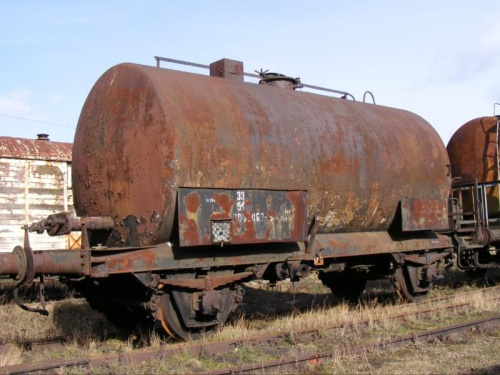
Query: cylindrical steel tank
(144, 132)
(473, 152)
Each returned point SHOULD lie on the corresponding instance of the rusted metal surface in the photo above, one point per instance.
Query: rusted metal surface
(105, 262)
(45, 262)
(108, 261)
(207, 282)
(65, 262)
(21, 148)
(144, 132)
(279, 80)
(35, 181)
(357, 244)
(208, 216)
(473, 152)
(164, 257)
(23, 264)
(226, 68)
(63, 223)
(9, 264)
(424, 214)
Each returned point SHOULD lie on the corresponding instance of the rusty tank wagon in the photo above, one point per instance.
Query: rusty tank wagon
(187, 185)
(475, 203)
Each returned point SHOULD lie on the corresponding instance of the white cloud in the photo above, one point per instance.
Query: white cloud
(13, 105)
(16, 100)
(476, 57)
(56, 98)
(490, 38)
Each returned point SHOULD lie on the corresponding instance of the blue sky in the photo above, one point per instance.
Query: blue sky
(439, 59)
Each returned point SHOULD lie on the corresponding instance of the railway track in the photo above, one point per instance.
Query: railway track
(41, 345)
(271, 340)
(297, 361)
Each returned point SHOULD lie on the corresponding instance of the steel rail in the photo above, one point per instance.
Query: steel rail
(299, 361)
(203, 66)
(198, 349)
(41, 344)
(36, 344)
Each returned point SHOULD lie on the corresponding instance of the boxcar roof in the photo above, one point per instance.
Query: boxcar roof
(22, 148)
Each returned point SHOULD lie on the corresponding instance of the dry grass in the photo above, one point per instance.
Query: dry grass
(462, 354)
(83, 328)
(381, 327)
(10, 355)
(371, 311)
(70, 319)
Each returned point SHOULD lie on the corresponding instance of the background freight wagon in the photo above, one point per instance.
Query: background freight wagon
(35, 181)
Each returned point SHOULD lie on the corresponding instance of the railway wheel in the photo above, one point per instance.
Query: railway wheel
(348, 289)
(406, 288)
(185, 314)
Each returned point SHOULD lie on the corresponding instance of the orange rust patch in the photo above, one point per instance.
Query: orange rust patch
(249, 233)
(193, 202)
(299, 214)
(224, 201)
(188, 229)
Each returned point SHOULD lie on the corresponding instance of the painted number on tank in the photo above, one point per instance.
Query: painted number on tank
(240, 201)
(255, 215)
(258, 216)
